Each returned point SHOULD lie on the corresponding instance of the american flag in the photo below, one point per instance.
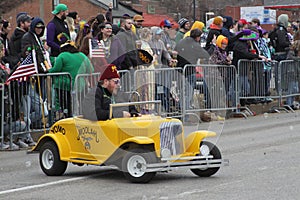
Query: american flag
(25, 69)
(98, 51)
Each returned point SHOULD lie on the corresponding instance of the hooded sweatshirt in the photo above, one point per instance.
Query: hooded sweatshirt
(283, 20)
(31, 41)
(15, 42)
(228, 22)
(196, 24)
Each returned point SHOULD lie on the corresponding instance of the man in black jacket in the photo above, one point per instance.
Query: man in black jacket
(189, 51)
(280, 39)
(96, 103)
(23, 22)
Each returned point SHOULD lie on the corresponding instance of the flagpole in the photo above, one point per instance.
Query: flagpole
(40, 91)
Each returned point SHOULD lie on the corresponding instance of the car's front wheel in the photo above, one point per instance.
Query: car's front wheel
(215, 152)
(50, 160)
(134, 165)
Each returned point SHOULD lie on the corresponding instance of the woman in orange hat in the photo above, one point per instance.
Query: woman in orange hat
(219, 55)
(215, 30)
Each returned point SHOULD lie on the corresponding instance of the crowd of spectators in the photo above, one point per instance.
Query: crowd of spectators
(64, 45)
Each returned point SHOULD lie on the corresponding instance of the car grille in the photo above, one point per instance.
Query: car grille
(171, 137)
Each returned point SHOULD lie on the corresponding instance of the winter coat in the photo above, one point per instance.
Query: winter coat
(96, 104)
(214, 30)
(159, 49)
(189, 51)
(219, 56)
(128, 38)
(241, 50)
(282, 39)
(115, 52)
(31, 40)
(15, 47)
(73, 63)
(56, 27)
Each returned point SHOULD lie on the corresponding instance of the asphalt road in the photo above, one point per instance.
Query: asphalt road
(264, 164)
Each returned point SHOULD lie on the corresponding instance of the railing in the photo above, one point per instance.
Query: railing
(84, 83)
(254, 78)
(217, 92)
(35, 105)
(162, 84)
(288, 82)
(259, 81)
(2, 113)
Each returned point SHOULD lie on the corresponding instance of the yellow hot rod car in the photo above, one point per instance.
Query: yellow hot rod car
(138, 146)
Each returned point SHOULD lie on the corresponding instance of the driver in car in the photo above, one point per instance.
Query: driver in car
(105, 94)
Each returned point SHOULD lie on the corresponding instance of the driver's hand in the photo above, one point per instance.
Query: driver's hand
(136, 114)
(126, 114)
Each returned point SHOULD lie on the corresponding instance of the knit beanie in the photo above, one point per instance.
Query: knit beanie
(198, 24)
(217, 21)
(221, 39)
(182, 22)
(283, 20)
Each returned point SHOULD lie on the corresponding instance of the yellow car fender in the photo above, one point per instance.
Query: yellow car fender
(193, 140)
(60, 141)
(138, 140)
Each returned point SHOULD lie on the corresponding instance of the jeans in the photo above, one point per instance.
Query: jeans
(190, 85)
(292, 89)
(162, 89)
(268, 75)
(32, 106)
(244, 86)
(18, 126)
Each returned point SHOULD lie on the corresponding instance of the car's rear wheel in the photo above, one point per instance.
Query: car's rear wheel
(215, 152)
(134, 165)
(50, 160)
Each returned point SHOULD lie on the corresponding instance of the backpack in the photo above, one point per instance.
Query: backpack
(273, 37)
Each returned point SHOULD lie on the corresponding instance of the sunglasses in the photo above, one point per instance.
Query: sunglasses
(116, 81)
(108, 27)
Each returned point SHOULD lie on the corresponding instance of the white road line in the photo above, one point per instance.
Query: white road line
(43, 185)
(59, 182)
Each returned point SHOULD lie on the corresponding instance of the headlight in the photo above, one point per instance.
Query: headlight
(165, 153)
(204, 150)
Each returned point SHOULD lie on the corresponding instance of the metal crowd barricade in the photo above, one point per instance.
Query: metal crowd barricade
(218, 92)
(37, 103)
(82, 85)
(126, 80)
(162, 84)
(254, 81)
(85, 82)
(2, 113)
(288, 81)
